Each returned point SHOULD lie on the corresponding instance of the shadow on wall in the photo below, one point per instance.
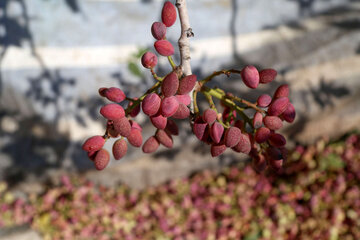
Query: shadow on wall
(15, 30)
(305, 7)
(35, 145)
(323, 94)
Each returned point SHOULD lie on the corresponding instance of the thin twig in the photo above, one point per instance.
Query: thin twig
(213, 107)
(171, 61)
(237, 99)
(217, 73)
(156, 77)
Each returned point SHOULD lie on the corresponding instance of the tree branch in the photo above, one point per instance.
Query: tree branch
(186, 32)
(184, 45)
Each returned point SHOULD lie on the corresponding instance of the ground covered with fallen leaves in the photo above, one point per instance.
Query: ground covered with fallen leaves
(315, 196)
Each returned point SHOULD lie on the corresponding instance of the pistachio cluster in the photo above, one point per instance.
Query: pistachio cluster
(169, 99)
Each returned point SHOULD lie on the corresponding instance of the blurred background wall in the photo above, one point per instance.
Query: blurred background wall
(55, 54)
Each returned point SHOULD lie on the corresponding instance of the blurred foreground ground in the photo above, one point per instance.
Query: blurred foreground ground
(315, 196)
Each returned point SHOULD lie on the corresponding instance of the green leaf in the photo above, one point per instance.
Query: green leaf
(134, 69)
